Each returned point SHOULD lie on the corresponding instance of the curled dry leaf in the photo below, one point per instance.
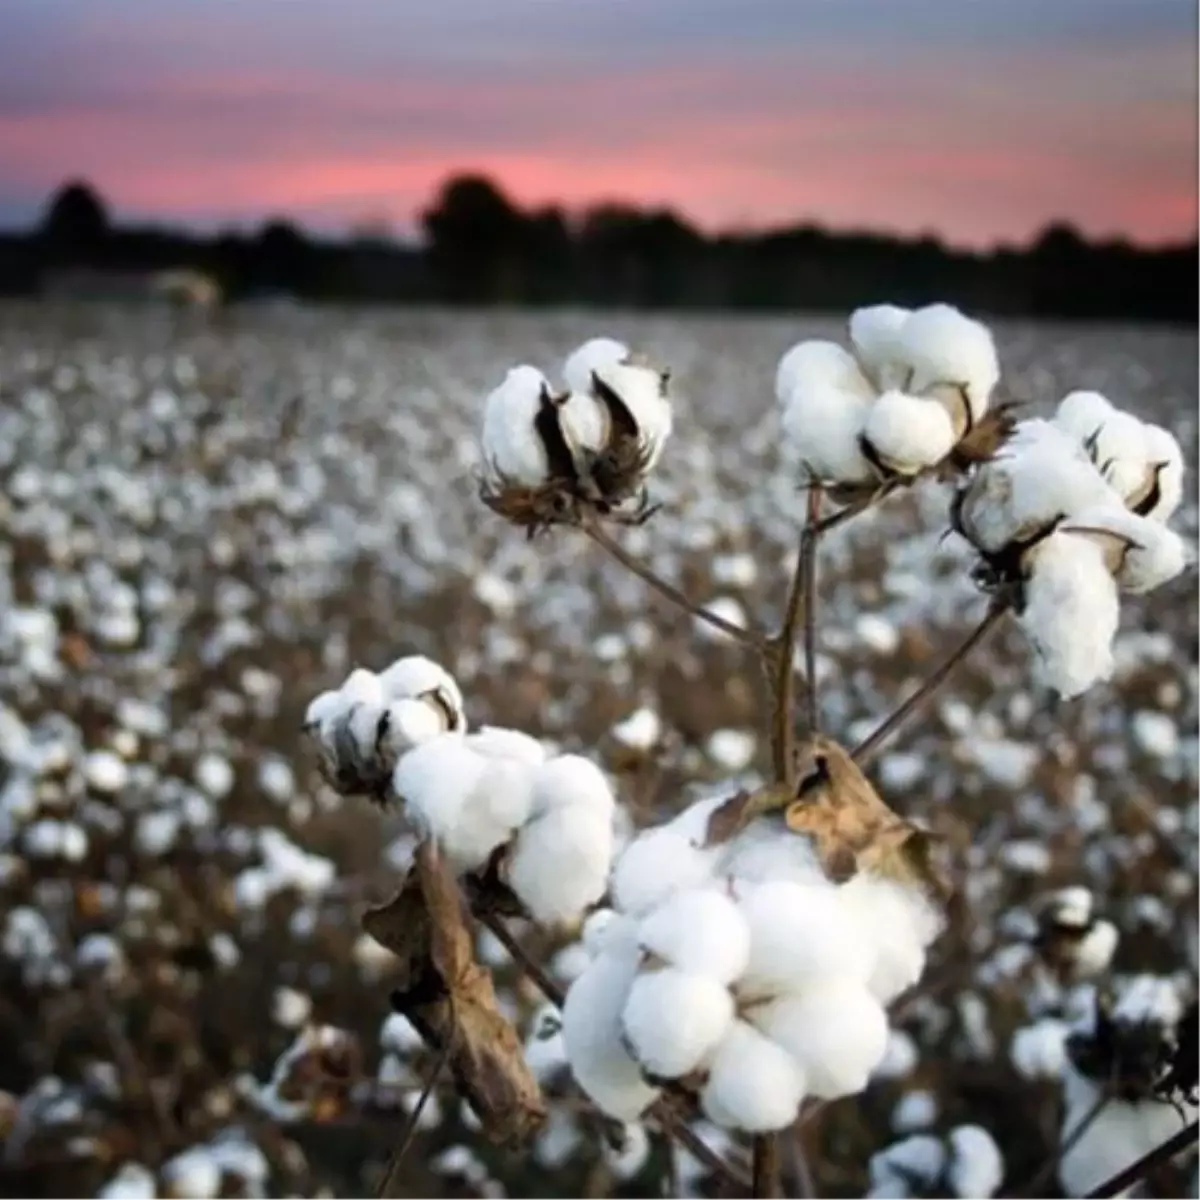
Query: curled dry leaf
(450, 999)
(981, 441)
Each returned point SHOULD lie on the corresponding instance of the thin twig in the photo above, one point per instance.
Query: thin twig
(1037, 1185)
(808, 571)
(747, 637)
(869, 746)
(410, 1126)
(765, 1166)
(1144, 1165)
(783, 731)
(671, 1124)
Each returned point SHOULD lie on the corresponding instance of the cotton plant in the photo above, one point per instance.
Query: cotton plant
(736, 961)
(1129, 1079)
(1066, 516)
(553, 455)
(911, 393)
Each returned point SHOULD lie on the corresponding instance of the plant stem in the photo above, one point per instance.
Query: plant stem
(799, 602)
(495, 924)
(869, 746)
(808, 569)
(765, 1170)
(1138, 1170)
(747, 637)
(410, 1126)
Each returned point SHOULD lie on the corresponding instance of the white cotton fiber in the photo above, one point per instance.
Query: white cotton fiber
(1118, 449)
(596, 353)
(592, 1031)
(943, 346)
(914, 1163)
(1080, 414)
(363, 722)
(701, 930)
(820, 364)
(835, 1029)
(324, 709)
(1071, 613)
(364, 687)
(408, 724)
(414, 675)
(1142, 554)
(1040, 475)
(494, 742)
(898, 923)
(761, 852)
(799, 933)
(642, 391)
(976, 1167)
(909, 433)
(603, 925)
(753, 1083)
(673, 1020)
(511, 445)
(875, 334)
(1164, 456)
(560, 860)
(585, 424)
(469, 804)
(659, 861)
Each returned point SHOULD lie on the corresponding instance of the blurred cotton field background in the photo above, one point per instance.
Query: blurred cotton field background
(208, 520)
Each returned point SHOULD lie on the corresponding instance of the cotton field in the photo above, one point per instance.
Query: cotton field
(270, 619)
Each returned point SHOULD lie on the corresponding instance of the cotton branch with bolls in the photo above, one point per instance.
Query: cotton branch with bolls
(740, 956)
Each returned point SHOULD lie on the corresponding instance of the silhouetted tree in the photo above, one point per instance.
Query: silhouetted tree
(75, 226)
(475, 237)
(282, 258)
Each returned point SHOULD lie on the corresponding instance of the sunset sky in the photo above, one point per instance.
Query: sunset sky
(975, 119)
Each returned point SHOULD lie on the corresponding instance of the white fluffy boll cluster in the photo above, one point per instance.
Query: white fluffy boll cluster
(1073, 510)
(912, 385)
(741, 967)
(404, 732)
(613, 415)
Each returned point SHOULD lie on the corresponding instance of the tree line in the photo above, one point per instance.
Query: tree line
(481, 248)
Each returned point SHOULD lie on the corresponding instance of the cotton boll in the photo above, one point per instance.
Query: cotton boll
(1142, 554)
(363, 687)
(673, 1020)
(656, 863)
(405, 724)
(575, 780)
(908, 433)
(1081, 413)
(898, 923)
(511, 444)
(642, 390)
(560, 861)
(753, 1083)
(915, 1161)
(595, 354)
(943, 346)
(820, 365)
(800, 933)
(835, 1029)
(764, 851)
(1071, 613)
(1165, 459)
(1118, 448)
(416, 676)
(976, 1167)
(592, 1032)
(875, 333)
(324, 709)
(605, 925)
(700, 930)
(1039, 476)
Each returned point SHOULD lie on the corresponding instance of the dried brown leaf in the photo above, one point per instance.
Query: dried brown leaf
(981, 442)
(730, 818)
(450, 999)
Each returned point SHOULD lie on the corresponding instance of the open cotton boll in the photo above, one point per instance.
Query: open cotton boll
(663, 860)
(763, 851)
(415, 675)
(875, 334)
(817, 365)
(673, 1020)
(944, 346)
(595, 354)
(1141, 554)
(1165, 458)
(834, 1028)
(799, 933)
(511, 444)
(592, 1031)
(1039, 476)
(822, 427)
(908, 433)
(1118, 448)
(897, 922)
(1071, 613)
(560, 860)
(976, 1168)
(1081, 413)
(574, 780)
(364, 687)
(753, 1083)
(700, 930)
(642, 390)
(462, 800)
(405, 724)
